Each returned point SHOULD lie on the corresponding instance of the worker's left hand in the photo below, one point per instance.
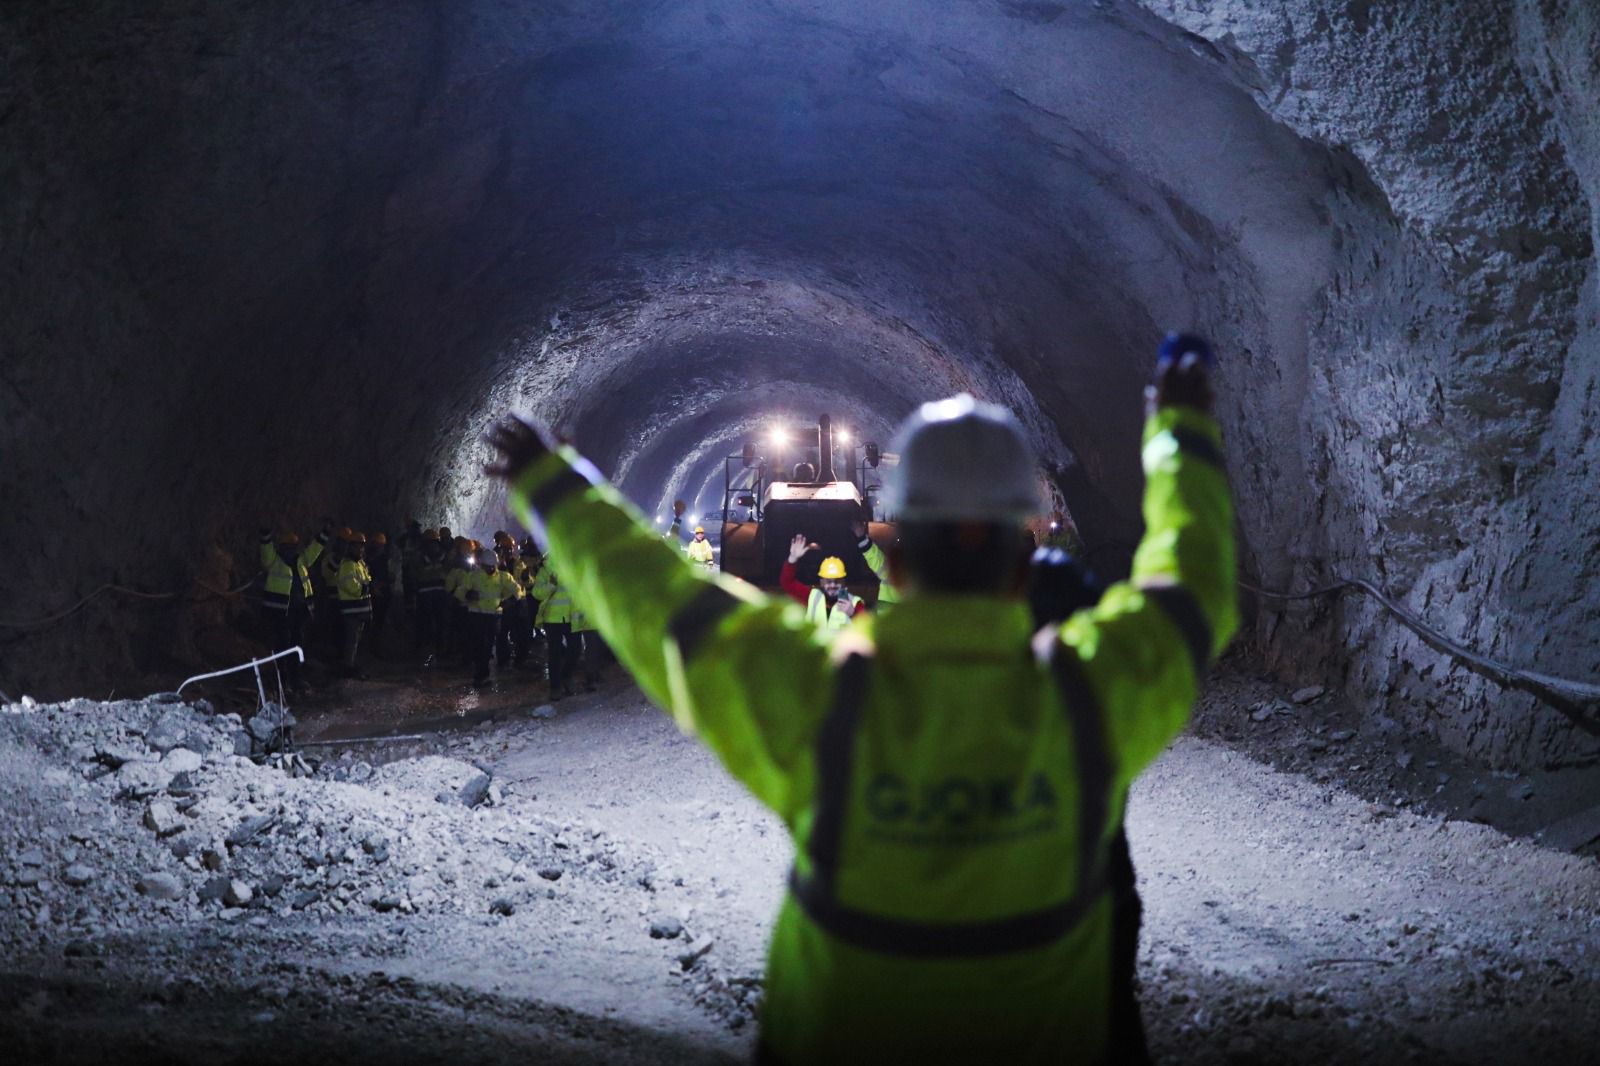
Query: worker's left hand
(519, 442)
(1183, 375)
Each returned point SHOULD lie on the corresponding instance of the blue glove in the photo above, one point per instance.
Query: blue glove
(1176, 345)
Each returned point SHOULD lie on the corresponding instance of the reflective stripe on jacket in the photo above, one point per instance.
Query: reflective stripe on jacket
(430, 573)
(281, 574)
(950, 799)
(555, 603)
(482, 591)
(355, 588)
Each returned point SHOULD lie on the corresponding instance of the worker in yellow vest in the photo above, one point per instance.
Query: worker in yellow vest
(433, 601)
(511, 646)
(533, 561)
(485, 590)
(951, 776)
(354, 588)
(555, 618)
(286, 595)
(878, 563)
(699, 549)
(325, 577)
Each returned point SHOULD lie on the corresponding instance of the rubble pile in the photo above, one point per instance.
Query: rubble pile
(129, 811)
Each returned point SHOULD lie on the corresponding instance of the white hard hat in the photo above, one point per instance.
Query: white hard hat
(962, 461)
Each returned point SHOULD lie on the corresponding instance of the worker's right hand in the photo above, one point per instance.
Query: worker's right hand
(1183, 376)
(520, 444)
(798, 547)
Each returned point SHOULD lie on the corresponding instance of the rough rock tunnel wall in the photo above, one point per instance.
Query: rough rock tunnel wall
(269, 261)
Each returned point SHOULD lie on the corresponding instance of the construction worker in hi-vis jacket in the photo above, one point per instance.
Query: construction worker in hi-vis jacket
(951, 777)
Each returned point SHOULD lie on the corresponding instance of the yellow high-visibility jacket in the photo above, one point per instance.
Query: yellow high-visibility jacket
(555, 602)
(281, 576)
(950, 794)
(878, 563)
(530, 577)
(430, 571)
(820, 613)
(355, 588)
(700, 551)
(491, 589)
(328, 573)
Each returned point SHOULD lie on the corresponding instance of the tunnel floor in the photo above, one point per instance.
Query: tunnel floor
(610, 900)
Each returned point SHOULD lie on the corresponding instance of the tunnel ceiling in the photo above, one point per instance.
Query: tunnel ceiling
(265, 262)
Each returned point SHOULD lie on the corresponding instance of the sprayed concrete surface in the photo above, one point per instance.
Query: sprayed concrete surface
(608, 901)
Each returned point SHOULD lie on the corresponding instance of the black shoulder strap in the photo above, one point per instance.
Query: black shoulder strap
(1086, 720)
(835, 750)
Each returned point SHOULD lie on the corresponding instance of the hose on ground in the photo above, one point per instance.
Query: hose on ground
(1561, 693)
(65, 612)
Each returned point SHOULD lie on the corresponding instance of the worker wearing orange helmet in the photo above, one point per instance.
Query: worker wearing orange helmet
(383, 563)
(516, 621)
(286, 594)
(433, 602)
(409, 545)
(354, 588)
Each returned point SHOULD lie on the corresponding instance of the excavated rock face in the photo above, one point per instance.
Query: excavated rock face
(265, 262)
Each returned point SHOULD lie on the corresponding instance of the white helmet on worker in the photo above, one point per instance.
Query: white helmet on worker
(962, 460)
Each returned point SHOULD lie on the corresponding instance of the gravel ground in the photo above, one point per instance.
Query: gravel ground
(582, 884)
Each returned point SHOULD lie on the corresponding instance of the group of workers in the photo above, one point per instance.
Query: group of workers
(954, 770)
(481, 603)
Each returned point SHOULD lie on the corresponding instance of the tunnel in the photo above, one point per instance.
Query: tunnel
(266, 264)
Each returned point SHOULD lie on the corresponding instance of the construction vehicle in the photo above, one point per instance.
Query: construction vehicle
(796, 490)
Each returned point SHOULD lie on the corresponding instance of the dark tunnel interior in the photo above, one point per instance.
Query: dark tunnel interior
(266, 262)
(290, 261)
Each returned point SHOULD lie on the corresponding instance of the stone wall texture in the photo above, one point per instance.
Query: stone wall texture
(262, 262)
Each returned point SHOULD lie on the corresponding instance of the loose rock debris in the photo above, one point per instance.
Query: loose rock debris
(1285, 920)
(105, 843)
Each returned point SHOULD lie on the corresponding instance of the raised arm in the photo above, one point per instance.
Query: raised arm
(798, 591)
(1142, 650)
(741, 669)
